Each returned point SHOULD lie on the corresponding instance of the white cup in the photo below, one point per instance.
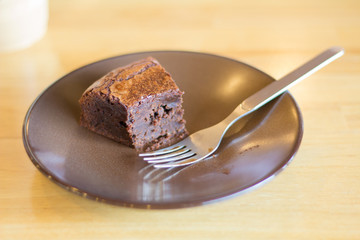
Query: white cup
(22, 23)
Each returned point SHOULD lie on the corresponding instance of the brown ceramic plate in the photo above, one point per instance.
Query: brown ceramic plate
(95, 167)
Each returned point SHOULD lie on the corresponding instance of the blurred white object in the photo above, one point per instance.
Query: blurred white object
(22, 23)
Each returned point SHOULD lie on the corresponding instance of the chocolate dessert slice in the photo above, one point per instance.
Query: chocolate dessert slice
(138, 105)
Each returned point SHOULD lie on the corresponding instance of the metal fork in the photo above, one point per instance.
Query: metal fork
(205, 142)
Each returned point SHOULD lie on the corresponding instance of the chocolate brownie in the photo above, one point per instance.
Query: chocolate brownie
(138, 105)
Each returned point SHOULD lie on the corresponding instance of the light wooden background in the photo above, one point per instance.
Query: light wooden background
(316, 197)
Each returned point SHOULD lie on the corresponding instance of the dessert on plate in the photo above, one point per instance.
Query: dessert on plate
(138, 105)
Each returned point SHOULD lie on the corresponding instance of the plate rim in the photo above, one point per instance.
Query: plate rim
(152, 204)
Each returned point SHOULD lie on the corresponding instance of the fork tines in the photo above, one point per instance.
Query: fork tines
(168, 154)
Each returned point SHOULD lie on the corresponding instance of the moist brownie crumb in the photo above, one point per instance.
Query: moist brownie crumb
(138, 105)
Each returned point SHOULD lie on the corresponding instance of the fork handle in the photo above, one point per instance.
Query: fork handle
(278, 87)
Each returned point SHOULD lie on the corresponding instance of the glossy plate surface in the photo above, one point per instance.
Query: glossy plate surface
(254, 151)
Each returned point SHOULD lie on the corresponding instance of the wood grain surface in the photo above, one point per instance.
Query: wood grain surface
(316, 197)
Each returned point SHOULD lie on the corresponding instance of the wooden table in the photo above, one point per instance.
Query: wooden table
(316, 197)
